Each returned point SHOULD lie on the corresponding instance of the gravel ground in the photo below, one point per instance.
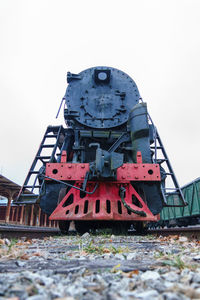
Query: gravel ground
(100, 267)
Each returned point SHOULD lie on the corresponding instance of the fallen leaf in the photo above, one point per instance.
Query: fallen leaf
(130, 274)
(36, 254)
(21, 244)
(106, 250)
(115, 268)
(29, 242)
(25, 256)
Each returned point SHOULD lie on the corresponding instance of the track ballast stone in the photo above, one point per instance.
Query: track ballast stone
(100, 267)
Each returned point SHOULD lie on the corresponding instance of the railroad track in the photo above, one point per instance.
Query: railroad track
(191, 231)
(18, 231)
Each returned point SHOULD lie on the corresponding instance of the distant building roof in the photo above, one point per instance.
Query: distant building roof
(8, 187)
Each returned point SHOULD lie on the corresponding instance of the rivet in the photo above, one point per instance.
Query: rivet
(123, 177)
(69, 166)
(136, 177)
(123, 167)
(69, 176)
(83, 166)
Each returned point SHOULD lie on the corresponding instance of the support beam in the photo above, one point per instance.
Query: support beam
(8, 209)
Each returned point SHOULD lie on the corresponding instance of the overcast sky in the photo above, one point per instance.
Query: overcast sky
(156, 42)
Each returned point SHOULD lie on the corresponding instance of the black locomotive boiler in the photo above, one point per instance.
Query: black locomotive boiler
(105, 168)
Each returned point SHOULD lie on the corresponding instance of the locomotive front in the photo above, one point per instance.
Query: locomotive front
(105, 175)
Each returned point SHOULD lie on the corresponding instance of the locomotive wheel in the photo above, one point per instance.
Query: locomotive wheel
(119, 228)
(140, 227)
(63, 225)
(82, 226)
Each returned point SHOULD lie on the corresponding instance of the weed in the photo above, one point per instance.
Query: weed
(114, 250)
(102, 249)
(150, 236)
(91, 248)
(159, 254)
(13, 242)
(176, 262)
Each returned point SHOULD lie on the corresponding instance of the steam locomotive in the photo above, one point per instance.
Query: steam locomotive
(104, 169)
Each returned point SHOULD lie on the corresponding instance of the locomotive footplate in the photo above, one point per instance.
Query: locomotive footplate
(102, 200)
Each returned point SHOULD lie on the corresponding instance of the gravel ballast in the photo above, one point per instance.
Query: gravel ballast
(100, 267)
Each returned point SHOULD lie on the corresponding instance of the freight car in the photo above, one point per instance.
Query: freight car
(183, 216)
(108, 166)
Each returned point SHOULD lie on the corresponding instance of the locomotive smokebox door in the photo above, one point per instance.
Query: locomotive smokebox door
(102, 76)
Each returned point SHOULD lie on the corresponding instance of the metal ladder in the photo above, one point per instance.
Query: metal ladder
(176, 190)
(30, 192)
(165, 191)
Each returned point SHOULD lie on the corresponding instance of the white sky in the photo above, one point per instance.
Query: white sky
(156, 42)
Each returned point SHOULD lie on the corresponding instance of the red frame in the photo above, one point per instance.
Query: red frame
(106, 191)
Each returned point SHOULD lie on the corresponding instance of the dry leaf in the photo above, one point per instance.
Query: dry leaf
(115, 268)
(29, 242)
(2, 242)
(25, 256)
(106, 250)
(36, 254)
(130, 274)
(22, 244)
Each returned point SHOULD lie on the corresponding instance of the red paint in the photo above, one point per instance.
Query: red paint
(64, 157)
(105, 203)
(139, 157)
(66, 171)
(105, 191)
(127, 172)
